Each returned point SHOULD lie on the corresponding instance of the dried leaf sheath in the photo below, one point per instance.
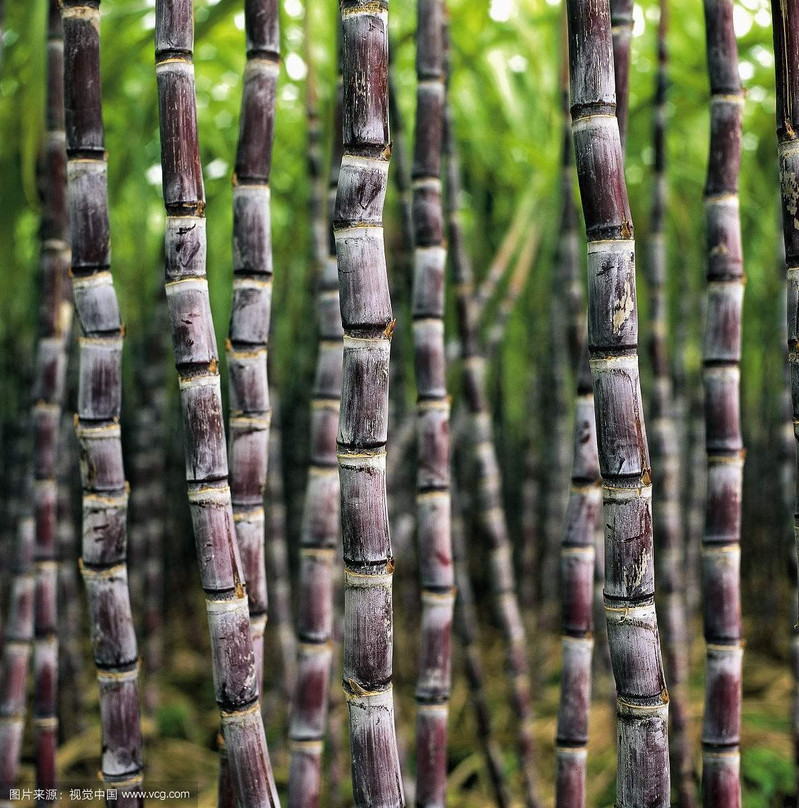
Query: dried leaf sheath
(221, 572)
(432, 418)
(367, 320)
(785, 17)
(320, 530)
(723, 440)
(666, 454)
(488, 495)
(105, 496)
(54, 322)
(250, 313)
(642, 700)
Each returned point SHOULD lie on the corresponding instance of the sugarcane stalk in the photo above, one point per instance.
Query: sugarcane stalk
(491, 514)
(466, 624)
(578, 540)
(723, 441)
(666, 452)
(278, 570)
(105, 495)
(621, 21)
(315, 156)
(577, 587)
(71, 662)
(565, 346)
(248, 335)
(233, 657)
(319, 537)
(642, 699)
(788, 488)
(402, 419)
(555, 428)
(48, 397)
(432, 481)
(337, 765)
(17, 648)
(147, 503)
(368, 324)
(785, 18)
(787, 444)
(402, 278)
(530, 529)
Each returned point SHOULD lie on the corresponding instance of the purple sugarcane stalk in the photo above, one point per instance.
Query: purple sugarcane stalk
(363, 419)
(642, 699)
(248, 335)
(583, 513)
(432, 414)
(621, 21)
(721, 553)
(17, 648)
(105, 493)
(54, 328)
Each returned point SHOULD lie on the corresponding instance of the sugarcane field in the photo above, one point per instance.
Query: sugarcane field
(399, 403)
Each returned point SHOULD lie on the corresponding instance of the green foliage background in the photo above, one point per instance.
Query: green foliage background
(504, 90)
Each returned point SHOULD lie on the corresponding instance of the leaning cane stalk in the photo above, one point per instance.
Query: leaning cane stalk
(320, 530)
(723, 441)
(666, 453)
(489, 484)
(48, 401)
(432, 481)
(368, 324)
(498, 267)
(517, 283)
(105, 493)
(234, 665)
(642, 700)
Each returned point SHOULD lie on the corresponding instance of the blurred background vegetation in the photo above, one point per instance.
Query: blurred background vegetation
(506, 57)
